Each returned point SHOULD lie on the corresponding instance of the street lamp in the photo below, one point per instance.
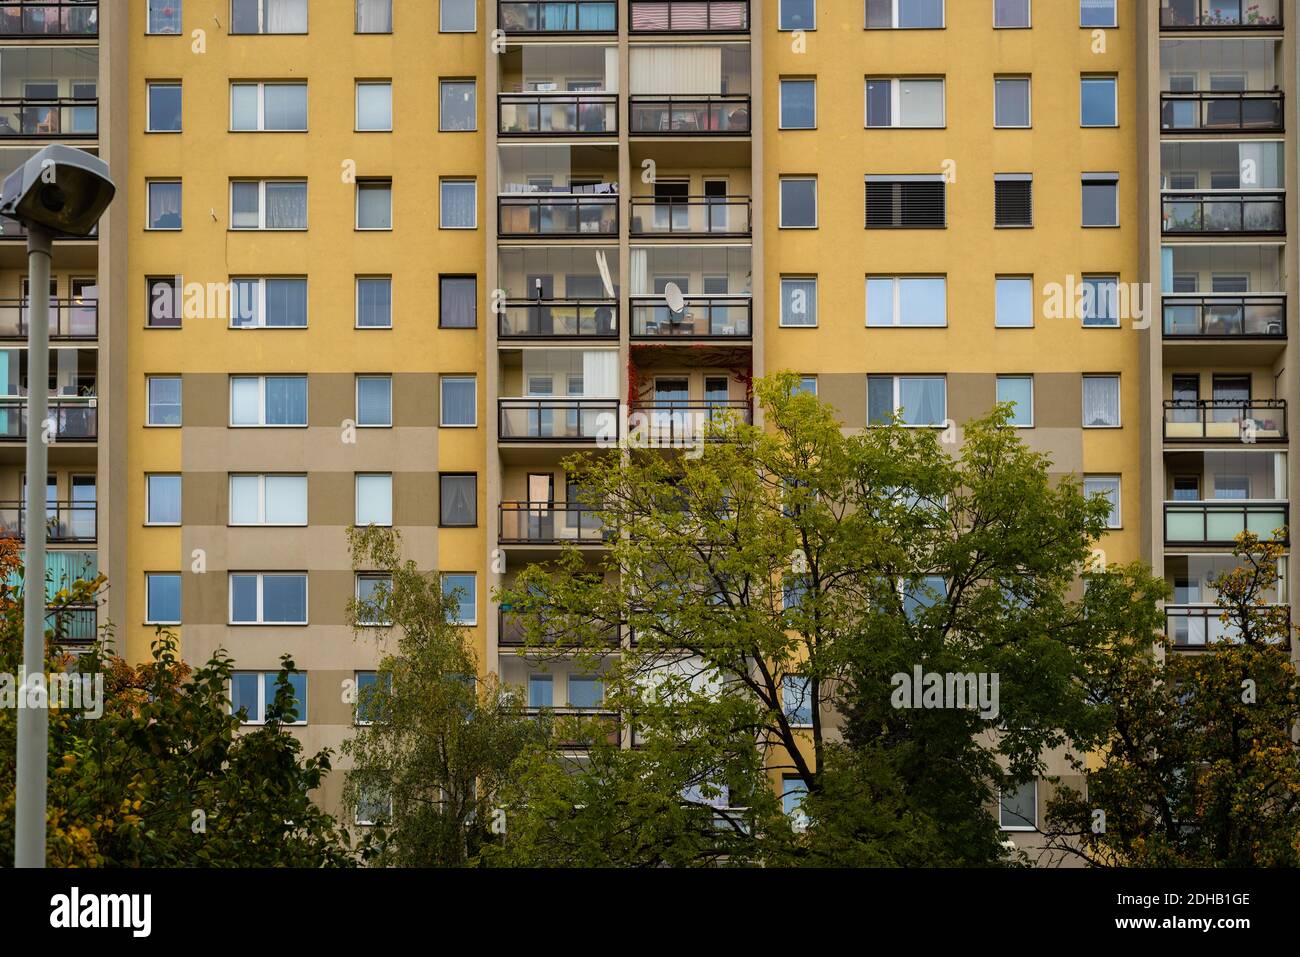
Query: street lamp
(60, 191)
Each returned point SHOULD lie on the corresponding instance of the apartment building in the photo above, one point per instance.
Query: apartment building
(391, 261)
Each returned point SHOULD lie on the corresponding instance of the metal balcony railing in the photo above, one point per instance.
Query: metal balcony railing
(705, 317)
(75, 420)
(561, 16)
(558, 319)
(1220, 522)
(60, 117)
(510, 633)
(1231, 213)
(1197, 626)
(688, 16)
(558, 420)
(720, 115)
(1212, 111)
(1225, 420)
(70, 319)
(551, 215)
(557, 523)
(1221, 14)
(1224, 317)
(65, 522)
(711, 216)
(73, 624)
(594, 724)
(49, 18)
(548, 114)
(671, 423)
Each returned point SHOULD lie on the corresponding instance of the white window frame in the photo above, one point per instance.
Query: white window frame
(356, 111)
(442, 405)
(1029, 111)
(898, 380)
(1104, 277)
(442, 182)
(893, 14)
(356, 309)
(1024, 376)
(356, 395)
(148, 104)
(263, 703)
(392, 21)
(781, 29)
(261, 500)
(357, 595)
(781, 302)
(148, 203)
(444, 81)
(1113, 80)
(260, 315)
(1029, 15)
(356, 496)
(1114, 19)
(261, 402)
(261, 22)
(896, 320)
(148, 498)
(148, 584)
(261, 621)
(361, 185)
(804, 380)
(896, 102)
(156, 33)
(781, 101)
(148, 402)
(1013, 277)
(811, 705)
(1019, 827)
(261, 105)
(1119, 399)
(442, 576)
(261, 205)
(1118, 510)
(1111, 179)
(473, 5)
(780, 198)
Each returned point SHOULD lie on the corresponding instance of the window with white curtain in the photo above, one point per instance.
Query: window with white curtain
(268, 303)
(459, 405)
(457, 302)
(374, 16)
(164, 400)
(907, 301)
(458, 500)
(268, 16)
(268, 401)
(268, 204)
(799, 301)
(1101, 402)
(375, 107)
(164, 204)
(163, 499)
(920, 400)
(1107, 486)
(268, 107)
(164, 17)
(374, 500)
(268, 499)
(905, 102)
(458, 205)
(374, 302)
(374, 401)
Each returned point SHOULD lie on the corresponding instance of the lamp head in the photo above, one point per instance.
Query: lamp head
(61, 190)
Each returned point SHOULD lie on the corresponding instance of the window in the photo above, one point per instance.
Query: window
(1018, 808)
(162, 499)
(268, 598)
(585, 691)
(268, 500)
(458, 500)
(904, 102)
(1018, 389)
(165, 302)
(375, 107)
(373, 592)
(375, 204)
(1011, 101)
(268, 16)
(807, 385)
(796, 700)
(164, 400)
(1101, 402)
(1097, 103)
(462, 587)
(268, 107)
(458, 302)
(458, 207)
(374, 401)
(541, 691)
(1013, 199)
(799, 301)
(253, 692)
(273, 400)
(164, 108)
(268, 303)
(798, 200)
(374, 806)
(162, 598)
(1014, 297)
(268, 204)
(459, 405)
(374, 500)
(164, 17)
(920, 594)
(374, 16)
(1101, 199)
(798, 104)
(367, 684)
(906, 202)
(796, 15)
(904, 14)
(793, 792)
(164, 204)
(907, 301)
(920, 400)
(457, 16)
(374, 302)
(1010, 14)
(458, 106)
(1107, 485)
(1100, 301)
(1097, 13)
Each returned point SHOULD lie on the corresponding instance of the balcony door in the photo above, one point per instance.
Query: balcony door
(51, 499)
(1231, 397)
(715, 198)
(1186, 395)
(81, 517)
(541, 499)
(672, 212)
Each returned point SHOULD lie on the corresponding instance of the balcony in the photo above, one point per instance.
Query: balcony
(1224, 317)
(1220, 14)
(510, 633)
(1219, 523)
(705, 317)
(65, 522)
(75, 420)
(1223, 213)
(576, 421)
(691, 216)
(41, 119)
(557, 114)
(585, 217)
(49, 18)
(75, 320)
(719, 115)
(556, 523)
(688, 16)
(1225, 420)
(593, 725)
(566, 16)
(672, 424)
(1211, 112)
(559, 319)
(1196, 626)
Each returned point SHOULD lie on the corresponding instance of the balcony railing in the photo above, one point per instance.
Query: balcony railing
(688, 16)
(548, 215)
(721, 115)
(558, 523)
(1225, 420)
(1219, 523)
(75, 319)
(49, 18)
(510, 633)
(705, 317)
(593, 725)
(691, 216)
(1211, 111)
(1232, 213)
(1224, 317)
(559, 319)
(558, 420)
(671, 423)
(1221, 14)
(563, 16)
(75, 420)
(65, 522)
(73, 624)
(1196, 626)
(63, 117)
(547, 114)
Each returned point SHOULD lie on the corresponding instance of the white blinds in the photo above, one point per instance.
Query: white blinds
(600, 374)
(690, 71)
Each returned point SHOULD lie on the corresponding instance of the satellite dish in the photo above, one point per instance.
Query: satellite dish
(673, 296)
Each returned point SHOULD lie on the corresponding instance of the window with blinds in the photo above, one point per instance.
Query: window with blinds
(906, 202)
(1013, 199)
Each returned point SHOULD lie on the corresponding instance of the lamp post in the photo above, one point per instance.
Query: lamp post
(60, 191)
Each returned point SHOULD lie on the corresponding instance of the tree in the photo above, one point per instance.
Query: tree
(439, 737)
(1203, 769)
(777, 592)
